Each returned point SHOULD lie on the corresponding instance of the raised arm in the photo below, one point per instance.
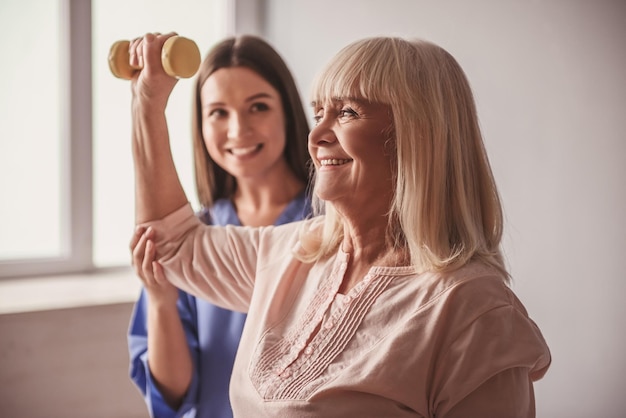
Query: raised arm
(158, 190)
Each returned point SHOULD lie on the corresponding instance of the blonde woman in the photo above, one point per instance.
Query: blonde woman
(394, 303)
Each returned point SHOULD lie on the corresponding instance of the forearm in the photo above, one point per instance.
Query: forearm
(169, 358)
(158, 190)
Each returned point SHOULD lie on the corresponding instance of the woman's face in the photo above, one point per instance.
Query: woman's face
(243, 122)
(350, 146)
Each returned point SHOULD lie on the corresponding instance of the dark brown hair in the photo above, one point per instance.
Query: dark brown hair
(213, 182)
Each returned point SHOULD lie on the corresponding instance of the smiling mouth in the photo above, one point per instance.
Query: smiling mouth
(241, 152)
(334, 161)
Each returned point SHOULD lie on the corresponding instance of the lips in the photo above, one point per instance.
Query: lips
(334, 161)
(244, 151)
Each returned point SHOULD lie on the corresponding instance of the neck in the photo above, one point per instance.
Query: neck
(259, 201)
(370, 242)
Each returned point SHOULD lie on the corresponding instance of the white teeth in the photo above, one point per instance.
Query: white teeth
(334, 161)
(243, 151)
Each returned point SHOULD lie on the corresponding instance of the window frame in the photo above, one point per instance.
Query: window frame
(76, 136)
(75, 106)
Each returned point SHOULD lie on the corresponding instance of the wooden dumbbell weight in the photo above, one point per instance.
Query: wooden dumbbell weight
(180, 58)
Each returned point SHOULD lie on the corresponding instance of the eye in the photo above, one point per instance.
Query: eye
(319, 114)
(259, 107)
(217, 113)
(348, 112)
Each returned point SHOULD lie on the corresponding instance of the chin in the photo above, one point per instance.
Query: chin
(331, 195)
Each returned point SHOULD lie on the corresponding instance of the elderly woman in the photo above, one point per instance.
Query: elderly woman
(394, 302)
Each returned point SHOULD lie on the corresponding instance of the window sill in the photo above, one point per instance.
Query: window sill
(101, 287)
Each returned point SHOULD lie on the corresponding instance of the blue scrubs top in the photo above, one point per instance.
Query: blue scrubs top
(213, 335)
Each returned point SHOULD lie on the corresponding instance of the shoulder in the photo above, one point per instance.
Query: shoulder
(475, 296)
(482, 329)
(473, 286)
(482, 317)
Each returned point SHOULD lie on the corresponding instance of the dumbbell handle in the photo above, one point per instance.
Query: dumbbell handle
(180, 58)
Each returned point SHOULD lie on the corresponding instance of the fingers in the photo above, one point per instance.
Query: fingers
(135, 52)
(151, 52)
(143, 254)
(159, 275)
(148, 259)
(160, 291)
(139, 231)
(145, 51)
(138, 242)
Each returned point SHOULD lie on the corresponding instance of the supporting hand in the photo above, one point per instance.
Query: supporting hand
(150, 272)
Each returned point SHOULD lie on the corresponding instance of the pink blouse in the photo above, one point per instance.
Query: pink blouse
(399, 344)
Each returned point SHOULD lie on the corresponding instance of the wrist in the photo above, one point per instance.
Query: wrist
(148, 106)
(162, 306)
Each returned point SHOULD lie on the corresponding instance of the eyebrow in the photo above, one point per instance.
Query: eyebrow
(315, 103)
(259, 96)
(252, 98)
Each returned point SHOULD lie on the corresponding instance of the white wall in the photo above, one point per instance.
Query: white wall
(550, 81)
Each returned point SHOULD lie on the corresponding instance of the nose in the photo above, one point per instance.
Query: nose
(321, 134)
(238, 126)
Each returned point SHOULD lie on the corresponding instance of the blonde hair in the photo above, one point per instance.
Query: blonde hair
(446, 209)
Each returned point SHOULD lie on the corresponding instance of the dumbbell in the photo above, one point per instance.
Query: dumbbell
(180, 58)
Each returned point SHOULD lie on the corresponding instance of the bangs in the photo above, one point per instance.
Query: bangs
(344, 76)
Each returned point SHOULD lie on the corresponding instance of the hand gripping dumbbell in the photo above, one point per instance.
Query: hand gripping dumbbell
(180, 58)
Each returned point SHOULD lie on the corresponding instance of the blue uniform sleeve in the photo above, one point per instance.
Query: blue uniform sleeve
(138, 351)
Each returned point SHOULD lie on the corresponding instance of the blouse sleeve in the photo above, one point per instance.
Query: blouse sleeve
(492, 359)
(508, 394)
(212, 262)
